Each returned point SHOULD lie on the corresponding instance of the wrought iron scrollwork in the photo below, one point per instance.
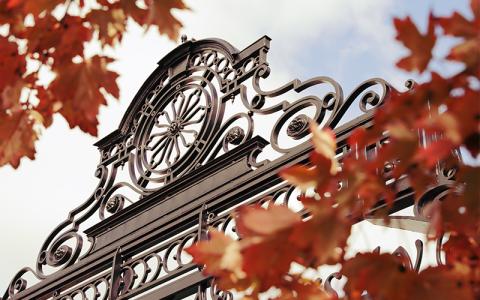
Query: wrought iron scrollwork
(212, 292)
(204, 99)
(181, 126)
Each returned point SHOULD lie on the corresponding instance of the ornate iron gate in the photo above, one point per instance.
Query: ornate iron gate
(189, 149)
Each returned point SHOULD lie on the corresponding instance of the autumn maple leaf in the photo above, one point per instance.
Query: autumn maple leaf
(324, 235)
(221, 256)
(12, 64)
(302, 289)
(52, 35)
(420, 45)
(383, 276)
(78, 88)
(160, 14)
(254, 220)
(322, 158)
(469, 30)
(17, 137)
(266, 254)
(110, 24)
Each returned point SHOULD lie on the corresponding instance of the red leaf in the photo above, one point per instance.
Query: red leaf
(463, 249)
(110, 24)
(475, 6)
(323, 237)
(78, 88)
(420, 45)
(266, 254)
(13, 3)
(458, 26)
(267, 260)
(467, 52)
(62, 40)
(12, 64)
(466, 110)
(384, 277)
(47, 105)
(434, 152)
(38, 6)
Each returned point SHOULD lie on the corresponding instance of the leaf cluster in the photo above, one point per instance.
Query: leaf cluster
(47, 38)
(425, 127)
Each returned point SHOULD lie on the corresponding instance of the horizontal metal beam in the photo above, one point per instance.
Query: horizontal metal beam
(230, 193)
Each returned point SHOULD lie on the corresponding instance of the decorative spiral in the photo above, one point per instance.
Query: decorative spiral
(173, 129)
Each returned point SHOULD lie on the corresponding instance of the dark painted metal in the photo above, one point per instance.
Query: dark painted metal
(188, 164)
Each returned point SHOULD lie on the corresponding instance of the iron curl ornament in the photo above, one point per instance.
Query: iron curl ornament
(194, 117)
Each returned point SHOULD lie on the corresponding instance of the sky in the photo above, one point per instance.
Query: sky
(350, 41)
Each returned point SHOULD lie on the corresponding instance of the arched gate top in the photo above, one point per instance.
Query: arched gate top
(189, 140)
(175, 64)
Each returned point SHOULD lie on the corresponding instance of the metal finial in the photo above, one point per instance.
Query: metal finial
(184, 38)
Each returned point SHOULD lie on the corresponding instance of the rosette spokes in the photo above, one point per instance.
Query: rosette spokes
(176, 129)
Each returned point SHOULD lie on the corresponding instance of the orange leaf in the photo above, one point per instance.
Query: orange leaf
(266, 254)
(400, 131)
(303, 289)
(17, 138)
(255, 220)
(131, 9)
(160, 14)
(325, 145)
(10, 96)
(467, 52)
(301, 176)
(220, 254)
